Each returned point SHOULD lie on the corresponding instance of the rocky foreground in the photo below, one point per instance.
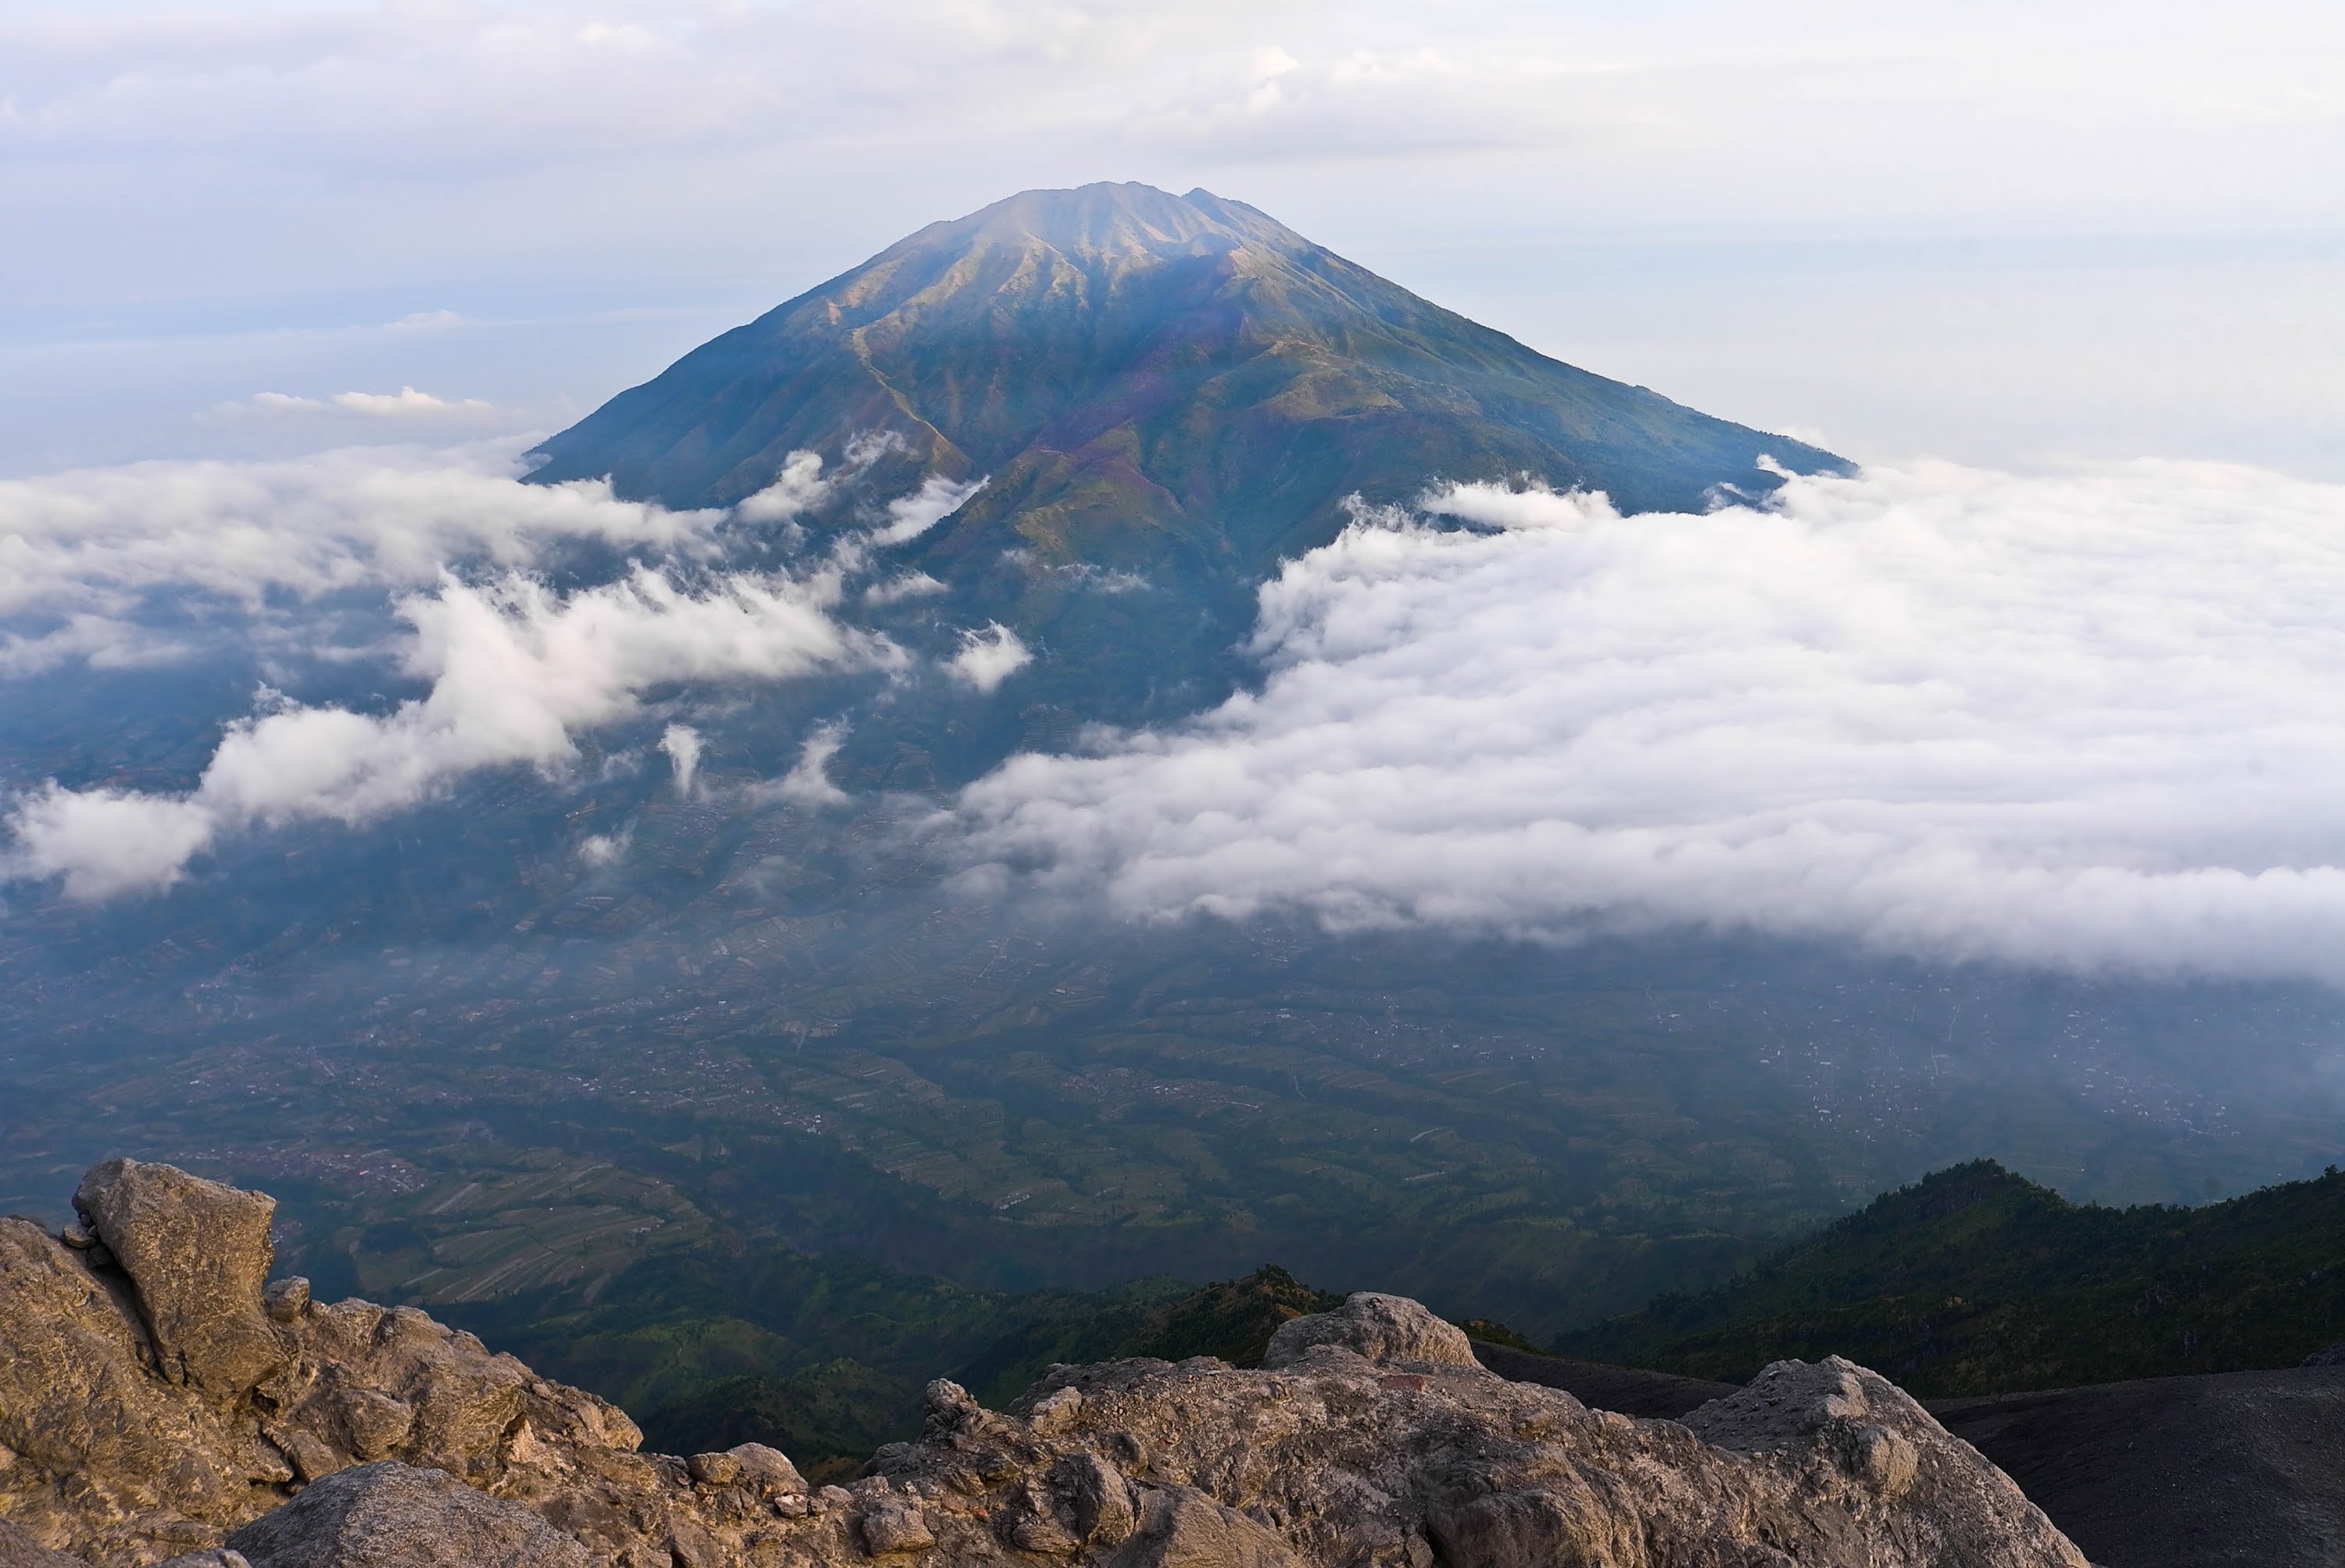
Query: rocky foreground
(160, 1398)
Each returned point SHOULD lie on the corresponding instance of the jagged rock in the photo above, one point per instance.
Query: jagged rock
(392, 1515)
(1386, 1330)
(210, 1557)
(767, 1472)
(199, 1254)
(1186, 1529)
(1097, 1497)
(19, 1549)
(890, 1525)
(1952, 1505)
(1372, 1439)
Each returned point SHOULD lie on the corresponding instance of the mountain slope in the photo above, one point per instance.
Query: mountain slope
(1115, 348)
(1163, 393)
(1977, 1281)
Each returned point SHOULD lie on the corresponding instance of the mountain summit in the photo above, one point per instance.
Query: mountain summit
(1173, 390)
(1121, 359)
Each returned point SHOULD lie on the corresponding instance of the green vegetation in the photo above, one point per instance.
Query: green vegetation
(1975, 1282)
(823, 1357)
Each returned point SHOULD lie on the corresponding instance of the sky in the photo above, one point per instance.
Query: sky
(2020, 235)
(2051, 680)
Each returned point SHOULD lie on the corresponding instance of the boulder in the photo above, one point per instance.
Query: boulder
(1876, 1441)
(391, 1515)
(1371, 1438)
(1384, 1330)
(198, 1254)
(1183, 1528)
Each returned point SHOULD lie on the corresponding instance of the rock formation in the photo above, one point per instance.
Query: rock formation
(159, 1401)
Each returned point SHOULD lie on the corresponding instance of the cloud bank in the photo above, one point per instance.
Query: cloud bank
(516, 673)
(95, 541)
(2092, 721)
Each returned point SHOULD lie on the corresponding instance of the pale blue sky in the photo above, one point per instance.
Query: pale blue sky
(2009, 234)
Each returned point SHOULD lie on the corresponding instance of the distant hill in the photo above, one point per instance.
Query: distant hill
(825, 1357)
(1165, 394)
(1977, 1281)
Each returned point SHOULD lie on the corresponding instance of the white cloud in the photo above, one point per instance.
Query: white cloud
(99, 641)
(605, 848)
(809, 783)
(406, 403)
(989, 657)
(909, 585)
(937, 498)
(681, 742)
(2083, 721)
(798, 488)
(515, 673)
(96, 540)
(105, 843)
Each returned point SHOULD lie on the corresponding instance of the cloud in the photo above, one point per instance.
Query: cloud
(516, 672)
(105, 843)
(909, 585)
(2089, 721)
(989, 657)
(99, 641)
(681, 742)
(798, 488)
(809, 783)
(97, 540)
(406, 403)
(605, 848)
(937, 498)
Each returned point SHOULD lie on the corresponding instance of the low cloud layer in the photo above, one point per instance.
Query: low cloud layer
(516, 673)
(95, 541)
(2091, 722)
(406, 403)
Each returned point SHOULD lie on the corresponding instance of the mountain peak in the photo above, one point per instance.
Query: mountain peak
(1173, 392)
(1108, 218)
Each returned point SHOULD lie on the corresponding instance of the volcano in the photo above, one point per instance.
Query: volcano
(1163, 392)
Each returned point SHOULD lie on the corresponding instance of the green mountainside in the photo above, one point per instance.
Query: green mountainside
(825, 1357)
(1972, 1281)
(1975, 1280)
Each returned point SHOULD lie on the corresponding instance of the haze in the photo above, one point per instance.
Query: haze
(2003, 233)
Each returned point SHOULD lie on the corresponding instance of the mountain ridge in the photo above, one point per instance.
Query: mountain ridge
(1975, 1280)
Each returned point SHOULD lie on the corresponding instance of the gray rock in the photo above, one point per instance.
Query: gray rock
(1878, 1443)
(1184, 1528)
(392, 1515)
(199, 1254)
(767, 1471)
(1099, 1500)
(890, 1525)
(1371, 1441)
(1384, 1330)
(210, 1557)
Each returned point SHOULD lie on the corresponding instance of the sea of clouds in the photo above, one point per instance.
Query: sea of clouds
(2089, 721)
(515, 670)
